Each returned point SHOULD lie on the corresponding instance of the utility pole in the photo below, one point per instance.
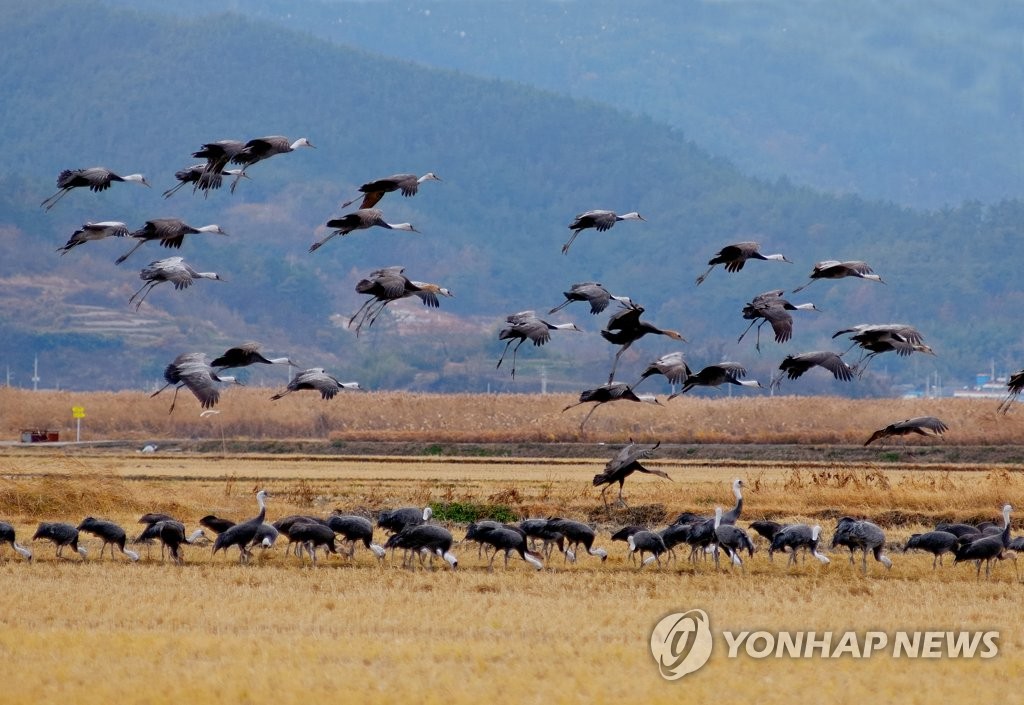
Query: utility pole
(35, 374)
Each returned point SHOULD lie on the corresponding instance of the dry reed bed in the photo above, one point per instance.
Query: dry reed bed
(109, 631)
(247, 413)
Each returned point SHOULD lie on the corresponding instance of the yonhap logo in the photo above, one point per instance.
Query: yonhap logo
(681, 643)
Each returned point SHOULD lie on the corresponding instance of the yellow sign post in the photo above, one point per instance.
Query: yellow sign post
(78, 413)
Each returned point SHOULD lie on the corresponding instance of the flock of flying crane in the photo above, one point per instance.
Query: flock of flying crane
(412, 531)
(389, 284)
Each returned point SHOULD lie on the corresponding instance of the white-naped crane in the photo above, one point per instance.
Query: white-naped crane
(193, 371)
(110, 533)
(96, 178)
(647, 542)
(625, 328)
(243, 533)
(246, 354)
(987, 548)
(60, 534)
(672, 365)
(1014, 386)
(624, 464)
(524, 326)
(355, 529)
(599, 220)
(94, 231)
(877, 338)
(717, 375)
(920, 425)
(390, 284)
(9, 536)
(862, 535)
(736, 255)
(594, 293)
(169, 232)
(794, 366)
(373, 191)
(792, 537)
(770, 307)
(576, 534)
(834, 269)
(263, 148)
(201, 179)
(614, 391)
(169, 269)
(359, 220)
(318, 379)
(937, 543)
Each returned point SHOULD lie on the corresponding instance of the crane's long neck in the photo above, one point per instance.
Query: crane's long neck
(195, 535)
(600, 552)
(401, 226)
(131, 554)
(805, 307)
(564, 326)
(25, 553)
(532, 560)
(776, 258)
(262, 501)
(718, 517)
(211, 229)
(281, 361)
(377, 549)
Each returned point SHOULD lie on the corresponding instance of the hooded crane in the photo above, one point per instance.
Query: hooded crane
(355, 529)
(832, 269)
(508, 540)
(767, 529)
(987, 548)
(111, 534)
(729, 517)
(875, 339)
(921, 425)
(793, 366)
(429, 539)
(191, 370)
(1014, 386)
(599, 220)
(594, 293)
(359, 220)
(614, 391)
(795, 537)
(390, 284)
(647, 542)
(242, 534)
(284, 526)
(262, 148)
(538, 529)
(170, 269)
(171, 534)
(247, 354)
(94, 231)
(736, 255)
(217, 155)
(170, 232)
(672, 365)
(318, 379)
(397, 520)
(717, 375)
(373, 191)
(312, 535)
(60, 535)
(196, 174)
(216, 524)
(625, 328)
(95, 178)
(524, 326)
(7, 535)
(863, 535)
(936, 543)
(770, 307)
(576, 534)
(624, 464)
(732, 539)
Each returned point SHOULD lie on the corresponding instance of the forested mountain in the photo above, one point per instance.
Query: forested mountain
(878, 98)
(87, 85)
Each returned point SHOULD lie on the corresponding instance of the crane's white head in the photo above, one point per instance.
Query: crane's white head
(261, 498)
(131, 554)
(25, 553)
(533, 560)
(83, 552)
(429, 176)
(450, 558)
(351, 385)
(815, 532)
(1006, 514)
(632, 215)
(196, 535)
(600, 552)
(213, 228)
(403, 226)
(631, 542)
(567, 326)
(302, 142)
(737, 486)
(648, 399)
(137, 178)
(427, 513)
(378, 550)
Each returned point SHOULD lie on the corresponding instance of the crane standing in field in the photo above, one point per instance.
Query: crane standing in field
(861, 535)
(7, 535)
(111, 534)
(60, 535)
(736, 255)
(624, 464)
(95, 178)
(242, 534)
(373, 191)
(599, 220)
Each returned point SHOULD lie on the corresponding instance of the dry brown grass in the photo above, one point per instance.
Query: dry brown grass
(393, 416)
(109, 631)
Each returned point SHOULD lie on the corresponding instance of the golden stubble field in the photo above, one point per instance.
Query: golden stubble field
(103, 631)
